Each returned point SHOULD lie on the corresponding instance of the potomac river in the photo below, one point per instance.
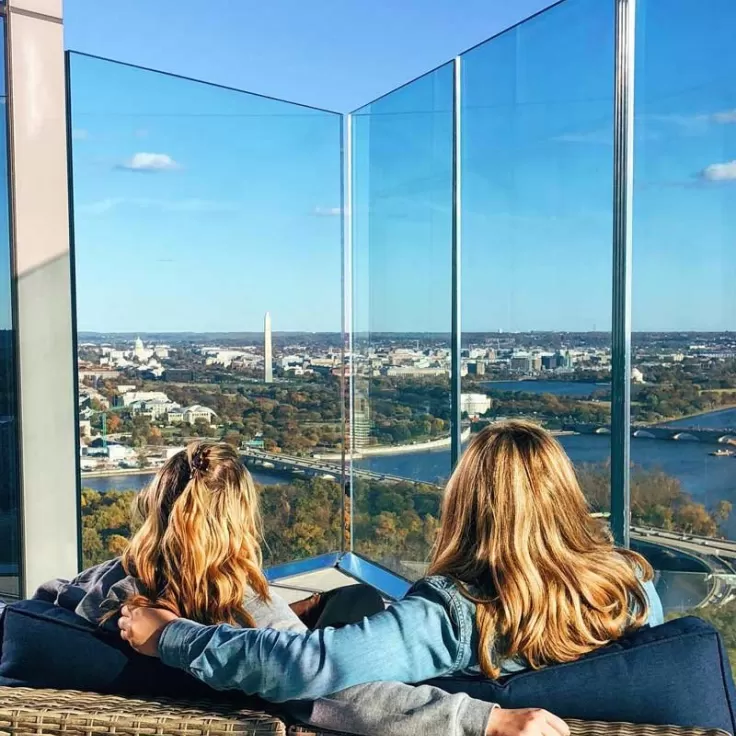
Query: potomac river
(706, 478)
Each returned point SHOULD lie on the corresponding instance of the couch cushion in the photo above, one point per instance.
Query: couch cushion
(674, 674)
(45, 646)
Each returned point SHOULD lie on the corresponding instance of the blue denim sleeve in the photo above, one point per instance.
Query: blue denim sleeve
(656, 612)
(413, 640)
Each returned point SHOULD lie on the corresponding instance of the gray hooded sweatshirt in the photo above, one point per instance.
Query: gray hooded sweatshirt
(375, 709)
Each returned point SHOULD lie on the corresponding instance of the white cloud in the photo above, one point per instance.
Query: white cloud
(725, 117)
(720, 172)
(80, 134)
(151, 162)
(193, 205)
(328, 211)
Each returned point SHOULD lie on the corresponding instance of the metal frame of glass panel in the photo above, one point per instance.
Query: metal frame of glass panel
(457, 333)
(623, 175)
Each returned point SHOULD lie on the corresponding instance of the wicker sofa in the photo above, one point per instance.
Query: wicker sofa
(71, 713)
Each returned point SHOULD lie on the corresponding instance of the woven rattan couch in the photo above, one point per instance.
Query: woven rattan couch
(25, 712)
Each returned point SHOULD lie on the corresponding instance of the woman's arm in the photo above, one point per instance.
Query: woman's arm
(414, 640)
(656, 612)
(394, 709)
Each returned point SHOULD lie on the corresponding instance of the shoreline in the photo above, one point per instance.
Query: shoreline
(664, 422)
(117, 471)
(387, 450)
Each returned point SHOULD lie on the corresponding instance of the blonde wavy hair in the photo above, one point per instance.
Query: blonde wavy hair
(197, 551)
(518, 538)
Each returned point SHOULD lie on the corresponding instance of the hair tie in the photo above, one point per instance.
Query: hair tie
(199, 462)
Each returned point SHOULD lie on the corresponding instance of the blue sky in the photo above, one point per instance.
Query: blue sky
(198, 208)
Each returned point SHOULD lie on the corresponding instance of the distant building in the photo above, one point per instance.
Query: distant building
(141, 353)
(477, 368)
(474, 404)
(198, 413)
(133, 397)
(521, 363)
(179, 375)
(113, 451)
(267, 350)
(175, 416)
(637, 376)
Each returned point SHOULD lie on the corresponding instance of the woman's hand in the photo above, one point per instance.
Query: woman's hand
(526, 722)
(142, 627)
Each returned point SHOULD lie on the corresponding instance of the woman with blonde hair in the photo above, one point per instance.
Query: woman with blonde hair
(521, 576)
(197, 554)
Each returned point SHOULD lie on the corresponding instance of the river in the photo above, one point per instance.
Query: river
(708, 479)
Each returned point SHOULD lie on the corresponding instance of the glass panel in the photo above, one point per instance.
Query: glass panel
(402, 148)
(684, 303)
(536, 164)
(208, 236)
(10, 477)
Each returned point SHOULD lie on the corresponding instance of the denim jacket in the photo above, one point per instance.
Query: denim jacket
(388, 708)
(430, 633)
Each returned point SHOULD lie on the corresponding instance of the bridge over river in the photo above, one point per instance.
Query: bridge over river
(723, 436)
(310, 467)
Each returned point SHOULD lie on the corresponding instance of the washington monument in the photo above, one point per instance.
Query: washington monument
(267, 350)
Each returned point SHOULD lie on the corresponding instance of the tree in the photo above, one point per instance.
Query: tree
(723, 511)
(233, 438)
(155, 437)
(114, 423)
(116, 545)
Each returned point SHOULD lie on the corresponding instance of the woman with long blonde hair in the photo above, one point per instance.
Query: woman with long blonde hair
(196, 554)
(521, 576)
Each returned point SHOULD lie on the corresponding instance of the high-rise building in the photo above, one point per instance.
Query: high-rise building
(267, 350)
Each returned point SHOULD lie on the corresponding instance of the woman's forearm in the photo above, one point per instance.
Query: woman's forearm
(395, 709)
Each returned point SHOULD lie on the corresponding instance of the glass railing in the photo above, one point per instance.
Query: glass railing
(208, 237)
(198, 210)
(402, 186)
